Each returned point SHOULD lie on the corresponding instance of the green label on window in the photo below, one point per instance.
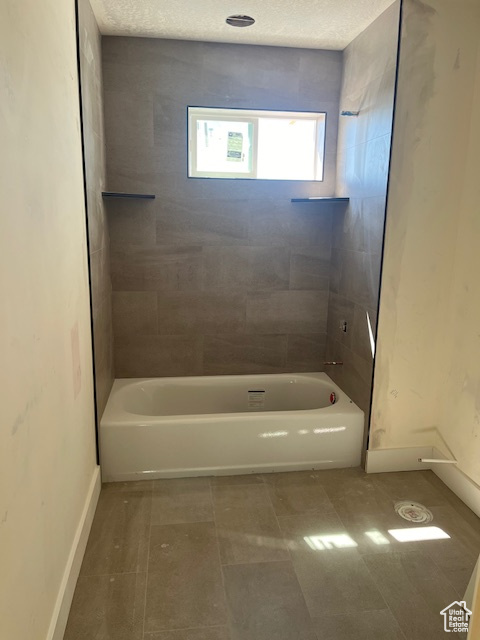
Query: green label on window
(235, 146)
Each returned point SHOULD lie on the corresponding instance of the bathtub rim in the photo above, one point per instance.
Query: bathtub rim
(115, 416)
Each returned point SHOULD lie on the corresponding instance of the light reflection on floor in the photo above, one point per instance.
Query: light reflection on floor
(322, 542)
(330, 541)
(418, 533)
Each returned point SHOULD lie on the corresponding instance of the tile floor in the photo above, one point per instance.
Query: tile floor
(286, 556)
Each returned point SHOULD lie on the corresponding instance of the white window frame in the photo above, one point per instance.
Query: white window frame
(252, 116)
(203, 114)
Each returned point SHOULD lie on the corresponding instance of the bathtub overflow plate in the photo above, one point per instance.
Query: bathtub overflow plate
(413, 511)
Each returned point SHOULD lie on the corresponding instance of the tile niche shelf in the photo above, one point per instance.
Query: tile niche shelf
(137, 196)
(320, 199)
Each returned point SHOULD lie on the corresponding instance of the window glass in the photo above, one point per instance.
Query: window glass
(286, 149)
(255, 144)
(224, 146)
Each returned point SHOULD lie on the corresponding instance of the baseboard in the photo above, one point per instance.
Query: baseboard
(401, 459)
(466, 489)
(65, 595)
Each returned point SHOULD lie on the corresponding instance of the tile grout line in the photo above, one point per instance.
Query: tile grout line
(267, 489)
(312, 618)
(244, 564)
(217, 540)
(169, 524)
(385, 493)
(235, 484)
(148, 561)
(291, 560)
(107, 575)
(163, 631)
(378, 587)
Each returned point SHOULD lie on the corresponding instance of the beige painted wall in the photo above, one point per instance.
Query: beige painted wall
(427, 374)
(47, 455)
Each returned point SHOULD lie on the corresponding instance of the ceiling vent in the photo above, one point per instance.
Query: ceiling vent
(240, 21)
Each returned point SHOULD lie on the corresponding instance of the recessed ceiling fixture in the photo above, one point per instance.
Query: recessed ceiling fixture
(240, 21)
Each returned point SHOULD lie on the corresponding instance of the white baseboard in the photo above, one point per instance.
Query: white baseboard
(402, 459)
(466, 489)
(67, 587)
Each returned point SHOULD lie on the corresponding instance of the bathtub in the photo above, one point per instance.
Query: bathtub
(222, 425)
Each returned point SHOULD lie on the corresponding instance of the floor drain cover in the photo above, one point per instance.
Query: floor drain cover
(413, 511)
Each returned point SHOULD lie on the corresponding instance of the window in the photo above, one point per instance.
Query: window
(262, 145)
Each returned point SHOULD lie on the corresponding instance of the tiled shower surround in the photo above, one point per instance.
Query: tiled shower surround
(362, 174)
(214, 276)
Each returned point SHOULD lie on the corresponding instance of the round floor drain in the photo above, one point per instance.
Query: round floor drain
(413, 511)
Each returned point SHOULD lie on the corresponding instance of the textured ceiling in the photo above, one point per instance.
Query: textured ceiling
(316, 24)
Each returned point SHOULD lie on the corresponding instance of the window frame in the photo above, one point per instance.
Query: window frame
(193, 172)
(203, 113)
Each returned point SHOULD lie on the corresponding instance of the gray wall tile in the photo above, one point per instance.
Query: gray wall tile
(354, 377)
(249, 268)
(362, 318)
(372, 52)
(340, 310)
(103, 352)
(306, 352)
(93, 137)
(100, 278)
(310, 268)
(203, 313)
(359, 276)
(362, 174)
(213, 251)
(135, 313)
(290, 225)
(127, 106)
(241, 353)
(157, 268)
(362, 228)
(287, 312)
(181, 227)
(131, 222)
(141, 356)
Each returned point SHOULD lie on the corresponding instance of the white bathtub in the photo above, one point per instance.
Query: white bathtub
(219, 425)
